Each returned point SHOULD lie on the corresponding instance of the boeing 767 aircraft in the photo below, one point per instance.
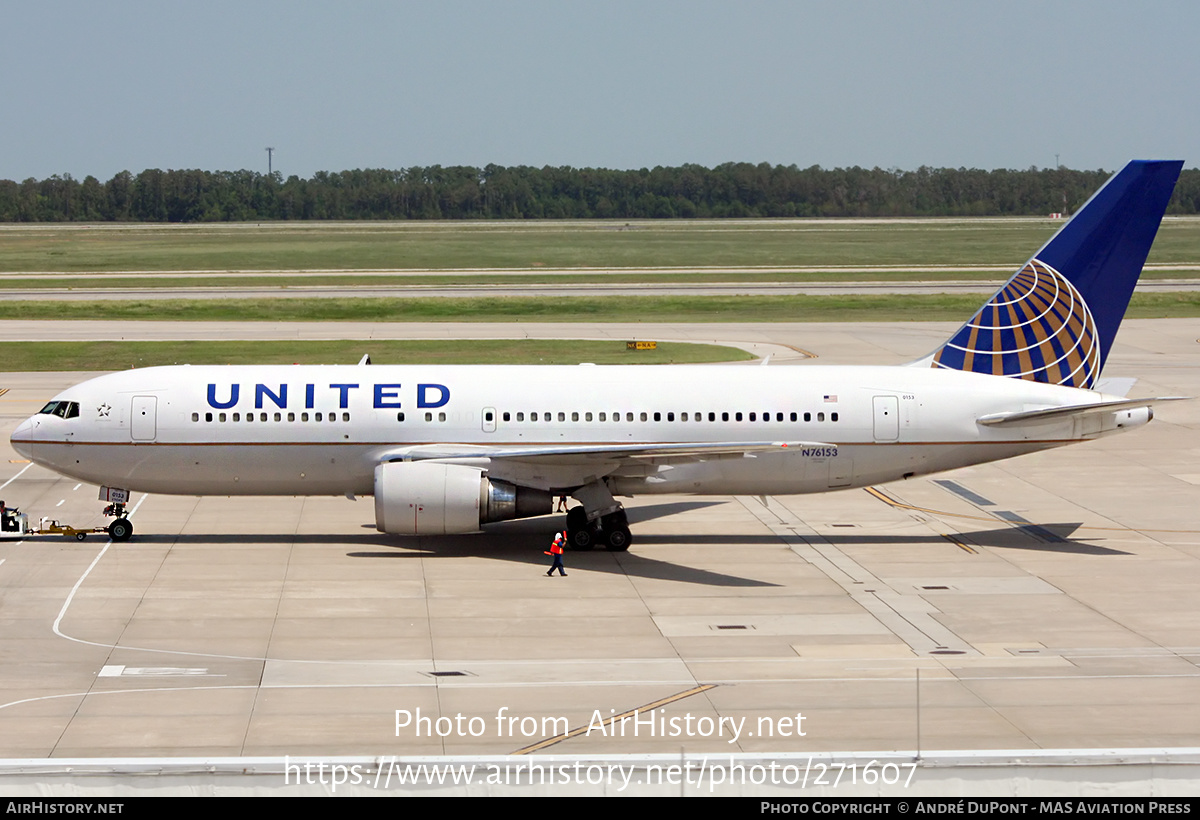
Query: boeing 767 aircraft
(447, 449)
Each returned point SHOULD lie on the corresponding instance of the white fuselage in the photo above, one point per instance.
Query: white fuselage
(319, 430)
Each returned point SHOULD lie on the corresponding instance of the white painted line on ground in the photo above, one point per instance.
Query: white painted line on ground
(14, 478)
(71, 596)
(116, 671)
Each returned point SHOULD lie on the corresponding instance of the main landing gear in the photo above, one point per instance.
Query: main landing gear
(601, 521)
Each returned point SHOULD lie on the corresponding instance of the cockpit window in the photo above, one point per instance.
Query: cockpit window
(62, 409)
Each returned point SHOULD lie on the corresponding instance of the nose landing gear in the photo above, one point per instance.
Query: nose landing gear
(122, 528)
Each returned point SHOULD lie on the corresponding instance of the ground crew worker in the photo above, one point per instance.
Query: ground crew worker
(556, 550)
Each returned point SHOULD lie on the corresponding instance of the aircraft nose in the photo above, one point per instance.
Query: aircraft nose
(22, 438)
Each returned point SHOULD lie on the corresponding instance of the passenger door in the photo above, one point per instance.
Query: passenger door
(143, 418)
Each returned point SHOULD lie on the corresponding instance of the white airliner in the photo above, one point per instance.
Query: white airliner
(447, 449)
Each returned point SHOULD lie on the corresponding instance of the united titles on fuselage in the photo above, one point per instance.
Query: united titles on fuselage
(384, 396)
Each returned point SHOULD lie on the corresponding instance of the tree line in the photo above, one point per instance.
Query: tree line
(523, 192)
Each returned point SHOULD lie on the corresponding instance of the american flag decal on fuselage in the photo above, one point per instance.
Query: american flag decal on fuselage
(1038, 328)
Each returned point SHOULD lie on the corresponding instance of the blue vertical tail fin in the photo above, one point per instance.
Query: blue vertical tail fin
(1056, 319)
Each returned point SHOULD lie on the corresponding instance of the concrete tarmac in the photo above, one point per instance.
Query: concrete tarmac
(1047, 602)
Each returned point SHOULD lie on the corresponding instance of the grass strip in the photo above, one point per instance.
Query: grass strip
(841, 308)
(284, 282)
(92, 356)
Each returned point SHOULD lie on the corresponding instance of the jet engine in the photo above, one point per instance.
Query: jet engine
(428, 498)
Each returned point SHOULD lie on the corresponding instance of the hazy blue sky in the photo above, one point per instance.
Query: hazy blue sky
(100, 87)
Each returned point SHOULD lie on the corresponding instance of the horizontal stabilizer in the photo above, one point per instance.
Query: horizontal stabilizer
(1052, 414)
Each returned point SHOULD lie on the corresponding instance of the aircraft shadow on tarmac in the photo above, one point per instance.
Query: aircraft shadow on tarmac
(512, 540)
(1039, 538)
(523, 542)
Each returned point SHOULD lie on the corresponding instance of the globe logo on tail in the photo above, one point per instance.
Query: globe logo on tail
(1038, 328)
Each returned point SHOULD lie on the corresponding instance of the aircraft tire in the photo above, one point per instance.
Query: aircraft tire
(576, 519)
(618, 539)
(120, 530)
(582, 539)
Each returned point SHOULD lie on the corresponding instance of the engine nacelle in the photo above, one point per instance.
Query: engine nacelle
(424, 498)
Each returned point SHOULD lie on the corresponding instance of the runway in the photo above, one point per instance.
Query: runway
(1047, 602)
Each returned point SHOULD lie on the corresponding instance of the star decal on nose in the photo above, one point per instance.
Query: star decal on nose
(103, 409)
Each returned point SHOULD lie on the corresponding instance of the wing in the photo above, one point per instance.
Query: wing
(556, 466)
